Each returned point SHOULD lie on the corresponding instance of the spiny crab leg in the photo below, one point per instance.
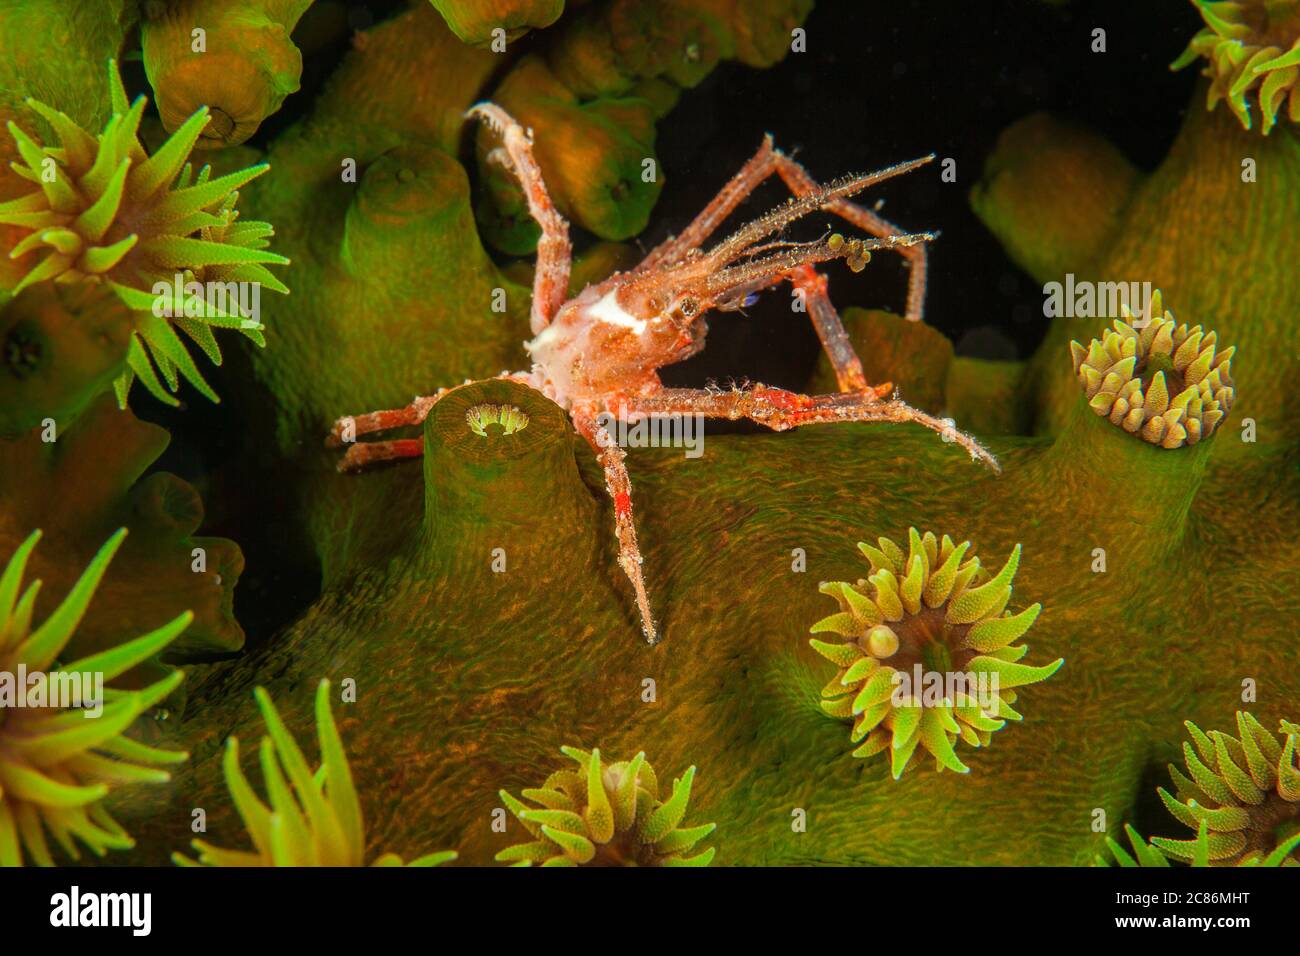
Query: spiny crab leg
(800, 183)
(768, 160)
(826, 320)
(360, 454)
(363, 454)
(551, 278)
(619, 486)
(778, 409)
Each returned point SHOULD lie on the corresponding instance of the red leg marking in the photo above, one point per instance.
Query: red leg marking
(780, 410)
(619, 487)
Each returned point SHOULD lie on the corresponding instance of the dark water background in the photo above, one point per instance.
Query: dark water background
(880, 82)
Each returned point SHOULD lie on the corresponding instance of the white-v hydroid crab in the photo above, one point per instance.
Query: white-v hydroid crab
(598, 353)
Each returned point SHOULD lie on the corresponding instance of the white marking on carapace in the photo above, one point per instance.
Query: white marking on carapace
(608, 310)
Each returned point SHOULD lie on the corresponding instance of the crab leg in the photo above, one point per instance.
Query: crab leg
(768, 160)
(619, 487)
(551, 278)
(371, 452)
(826, 320)
(779, 410)
(347, 428)
(802, 184)
(748, 178)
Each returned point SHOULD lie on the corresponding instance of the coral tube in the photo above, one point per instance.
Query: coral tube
(236, 58)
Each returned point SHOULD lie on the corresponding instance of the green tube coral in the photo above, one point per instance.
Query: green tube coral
(482, 575)
(591, 96)
(110, 213)
(607, 48)
(56, 765)
(592, 155)
(234, 57)
(92, 479)
(61, 346)
(930, 613)
(473, 21)
(314, 817)
(606, 815)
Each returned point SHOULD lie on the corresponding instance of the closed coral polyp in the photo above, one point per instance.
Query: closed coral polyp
(1164, 382)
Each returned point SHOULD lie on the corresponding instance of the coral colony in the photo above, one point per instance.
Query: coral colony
(472, 190)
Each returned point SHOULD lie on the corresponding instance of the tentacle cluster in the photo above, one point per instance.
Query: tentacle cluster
(106, 211)
(1147, 855)
(606, 814)
(1244, 790)
(1166, 383)
(510, 417)
(937, 614)
(57, 762)
(1252, 49)
(315, 816)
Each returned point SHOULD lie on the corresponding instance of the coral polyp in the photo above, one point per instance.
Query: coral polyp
(315, 816)
(1244, 789)
(1148, 855)
(1166, 383)
(1252, 49)
(106, 211)
(510, 417)
(930, 656)
(1143, 855)
(606, 815)
(63, 746)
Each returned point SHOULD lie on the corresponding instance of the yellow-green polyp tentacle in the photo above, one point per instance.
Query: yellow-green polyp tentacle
(606, 813)
(55, 766)
(1241, 62)
(933, 577)
(310, 818)
(1235, 787)
(181, 228)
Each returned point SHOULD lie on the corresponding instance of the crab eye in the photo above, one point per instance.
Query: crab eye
(689, 307)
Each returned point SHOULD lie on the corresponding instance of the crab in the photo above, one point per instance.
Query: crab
(598, 354)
